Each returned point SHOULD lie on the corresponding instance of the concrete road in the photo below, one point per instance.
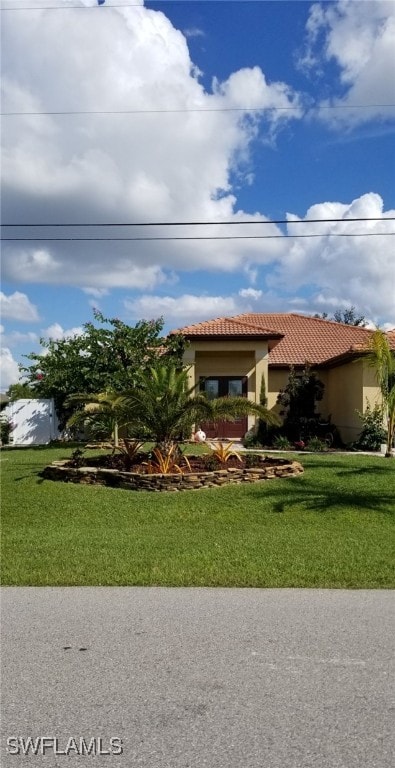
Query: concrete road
(189, 678)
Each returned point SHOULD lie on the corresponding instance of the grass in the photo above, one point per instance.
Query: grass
(331, 527)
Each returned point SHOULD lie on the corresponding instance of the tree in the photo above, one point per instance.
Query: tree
(109, 356)
(262, 423)
(346, 316)
(21, 391)
(299, 399)
(105, 412)
(165, 408)
(382, 359)
(349, 317)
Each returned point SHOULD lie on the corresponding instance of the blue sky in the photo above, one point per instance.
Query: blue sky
(237, 111)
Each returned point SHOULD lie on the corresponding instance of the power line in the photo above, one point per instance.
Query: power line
(66, 113)
(71, 7)
(196, 237)
(207, 223)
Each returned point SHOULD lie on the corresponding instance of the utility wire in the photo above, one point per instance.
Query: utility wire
(72, 7)
(63, 113)
(197, 237)
(208, 223)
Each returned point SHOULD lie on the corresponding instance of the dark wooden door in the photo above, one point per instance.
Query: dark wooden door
(225, 386)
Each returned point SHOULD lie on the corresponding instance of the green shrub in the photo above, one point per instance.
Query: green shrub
(317, 445)
(250, 439)
(281, 443)
(77, 458)
(373, 432)
(6, 428)
(210, 462)
(251, 460)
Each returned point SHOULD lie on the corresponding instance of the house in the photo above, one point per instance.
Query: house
(229, 356)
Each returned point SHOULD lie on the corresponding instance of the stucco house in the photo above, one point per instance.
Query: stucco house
(229, 356)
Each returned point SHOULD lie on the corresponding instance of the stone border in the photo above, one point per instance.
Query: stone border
(135, 481)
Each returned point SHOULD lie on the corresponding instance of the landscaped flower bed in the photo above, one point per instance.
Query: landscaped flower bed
(235, 472)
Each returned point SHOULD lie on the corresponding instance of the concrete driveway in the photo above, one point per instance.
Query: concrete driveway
(188, 678)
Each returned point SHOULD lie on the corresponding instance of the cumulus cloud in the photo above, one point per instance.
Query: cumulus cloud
(163, 165)
(360, 38)
(17, 306)
(15, 338)
(183, 309)
(9, 368)
(250, 293)
(193, 308)
(56, 332)
(97, 293)
(346, 271)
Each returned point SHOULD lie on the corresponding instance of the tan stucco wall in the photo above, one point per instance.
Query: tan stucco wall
(348, 387)
(278, 378)
(230, 358)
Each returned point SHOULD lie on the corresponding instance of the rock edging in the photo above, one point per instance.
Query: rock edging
(135, 481)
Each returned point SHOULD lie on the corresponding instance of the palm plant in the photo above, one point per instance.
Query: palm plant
(382, 359)
(106, 410)
(166, 407)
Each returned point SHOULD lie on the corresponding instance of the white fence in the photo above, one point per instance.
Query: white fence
(34, 422)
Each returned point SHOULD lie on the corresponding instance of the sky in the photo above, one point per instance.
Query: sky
(221, 112)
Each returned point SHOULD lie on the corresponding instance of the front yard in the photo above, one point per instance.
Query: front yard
(331, 527)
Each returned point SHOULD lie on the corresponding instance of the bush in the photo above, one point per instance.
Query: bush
(77, 458)
(281, 443)
(373, 432)
(317, 445)
(251, 460)
(250, 439)
(6, 428)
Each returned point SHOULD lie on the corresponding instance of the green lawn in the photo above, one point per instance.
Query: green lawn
(331, 527)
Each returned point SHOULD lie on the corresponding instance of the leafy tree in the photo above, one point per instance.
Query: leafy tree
(346, 316)
(21, 391)
(349, 317)
(109, 356)
(299, 399)
(382, 359)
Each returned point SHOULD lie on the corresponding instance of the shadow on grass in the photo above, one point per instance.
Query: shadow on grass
(383, 468)
(327, 498)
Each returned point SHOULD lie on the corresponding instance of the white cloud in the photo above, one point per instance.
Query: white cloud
(193, 32)
(193, 308)
(183, 309)
(14, 338)
(169, 166)
(360, 38)
(97, 293)
(9, 368)
(56, 332)
(250, 293)
(17, 306)
(347, 271)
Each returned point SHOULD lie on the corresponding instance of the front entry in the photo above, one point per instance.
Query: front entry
(225, 386)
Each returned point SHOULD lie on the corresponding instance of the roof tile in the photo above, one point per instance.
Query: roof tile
(304, 338)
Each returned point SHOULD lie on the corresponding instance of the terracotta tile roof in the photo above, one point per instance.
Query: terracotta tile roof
(229, 326)
(391, 338)
(303, 337)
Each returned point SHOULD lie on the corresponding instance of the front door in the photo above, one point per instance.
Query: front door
(225, 386)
